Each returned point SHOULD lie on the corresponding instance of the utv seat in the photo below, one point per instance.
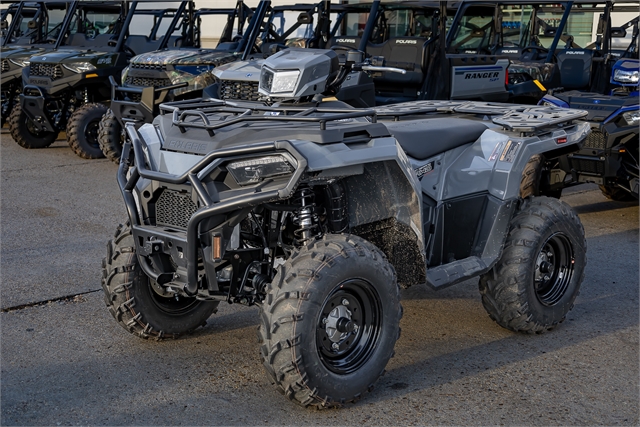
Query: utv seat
(142, 44)
(425, 138)
(510, 52)
(410, 54)
(575, 68)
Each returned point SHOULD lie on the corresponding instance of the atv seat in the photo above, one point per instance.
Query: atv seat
(425, 138)
(408, 53)
(575, 68)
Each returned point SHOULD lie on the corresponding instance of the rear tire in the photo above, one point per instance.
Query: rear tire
(330, 321)
(23, 132)
(135, 305)
(616, 194)
(110, 137)
(82, 130)
(537, 279)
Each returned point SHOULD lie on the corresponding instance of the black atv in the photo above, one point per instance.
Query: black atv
(171, 73)
(316, 212)
(34, 29)
(67, 89)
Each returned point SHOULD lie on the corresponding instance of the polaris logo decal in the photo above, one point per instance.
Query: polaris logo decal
(511, 51)
(492, 76)
(39, 82)
(574, 52)
(345, 40)
(406, 41)
(192, 146)
(105, 61)
(424, 170)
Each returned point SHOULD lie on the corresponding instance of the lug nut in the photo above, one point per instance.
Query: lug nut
(335, 346)
(325, 320)
(345, 301)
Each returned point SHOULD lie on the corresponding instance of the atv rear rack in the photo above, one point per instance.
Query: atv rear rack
(512, 117)
(238, 112)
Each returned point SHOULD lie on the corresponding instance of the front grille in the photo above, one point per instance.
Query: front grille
(174, 209)
(248, 91)
(53, 71)
(590, 167)
(156, 67)
(596, 139)
(5, 66)
(146, 81)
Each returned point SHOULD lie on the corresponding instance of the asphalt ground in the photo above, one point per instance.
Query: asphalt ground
(65, 361)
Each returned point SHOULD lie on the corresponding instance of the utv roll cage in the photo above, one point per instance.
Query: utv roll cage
(37, 26)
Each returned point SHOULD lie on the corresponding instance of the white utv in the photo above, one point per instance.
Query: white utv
(317, 212)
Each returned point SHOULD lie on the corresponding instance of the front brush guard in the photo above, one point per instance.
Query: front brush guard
(194, 176)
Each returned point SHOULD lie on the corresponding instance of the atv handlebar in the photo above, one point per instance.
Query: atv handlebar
(383, 69)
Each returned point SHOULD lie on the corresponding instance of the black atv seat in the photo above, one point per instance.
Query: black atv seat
(575, 68)
(425, 138)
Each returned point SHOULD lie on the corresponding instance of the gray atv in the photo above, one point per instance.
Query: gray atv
(317, 213)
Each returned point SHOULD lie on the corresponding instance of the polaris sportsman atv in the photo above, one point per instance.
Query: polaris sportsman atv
(315, 212)
(170, 74)
(34, 29)
(66, 89)
(610, 154)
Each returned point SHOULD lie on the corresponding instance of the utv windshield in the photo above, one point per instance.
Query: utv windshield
(475, 30)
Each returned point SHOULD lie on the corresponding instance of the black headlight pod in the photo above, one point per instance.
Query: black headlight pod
(254, 170)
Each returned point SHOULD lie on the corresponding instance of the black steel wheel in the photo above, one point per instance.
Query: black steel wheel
(349, 326)
(24, 132)
(330, 321)
(82, 130)
(534, 284)
(140, 305)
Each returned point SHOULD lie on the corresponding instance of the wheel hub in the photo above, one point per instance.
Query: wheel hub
(338, 324)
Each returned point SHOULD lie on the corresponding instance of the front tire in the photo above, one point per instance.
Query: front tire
(537, 279)
(110, 137)
(134, 303)
(330, 321)
(24, 133)
(616, 194)
(82, 130)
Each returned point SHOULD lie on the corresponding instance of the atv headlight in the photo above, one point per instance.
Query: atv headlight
(280, 83)
(252, 171)
(79, 67)
(20, 62)
(626, 76)
(632, 117)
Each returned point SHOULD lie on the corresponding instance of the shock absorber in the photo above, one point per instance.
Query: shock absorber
(306, 217)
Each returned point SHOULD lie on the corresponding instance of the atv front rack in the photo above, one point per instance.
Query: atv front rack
(512, 117)
(238, 112)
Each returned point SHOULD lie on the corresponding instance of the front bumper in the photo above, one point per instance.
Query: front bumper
(184, 246)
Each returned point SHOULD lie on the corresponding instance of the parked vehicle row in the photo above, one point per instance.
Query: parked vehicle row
(323, 155)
